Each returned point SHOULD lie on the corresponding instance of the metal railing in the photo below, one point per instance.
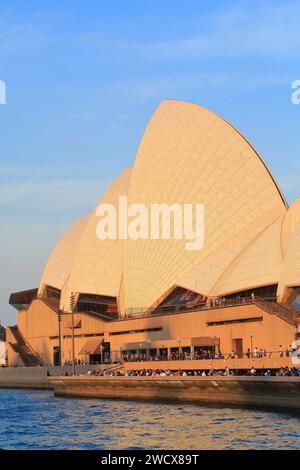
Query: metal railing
(135, 313)
(173, 309)
(211, 357)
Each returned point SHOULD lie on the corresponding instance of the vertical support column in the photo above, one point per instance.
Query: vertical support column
(169, 353)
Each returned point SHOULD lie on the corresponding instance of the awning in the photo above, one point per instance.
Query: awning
(205, 341)
(92, 346)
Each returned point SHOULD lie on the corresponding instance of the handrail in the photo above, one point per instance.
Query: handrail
(267, 303)
(217, 304)
(21, 342)
(226, 356)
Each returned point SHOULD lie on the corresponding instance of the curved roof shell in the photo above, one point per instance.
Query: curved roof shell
(188, 155)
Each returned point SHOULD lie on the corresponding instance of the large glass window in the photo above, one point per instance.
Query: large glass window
(52, 292)
(181, 298)
(99, 304)
(263, 292)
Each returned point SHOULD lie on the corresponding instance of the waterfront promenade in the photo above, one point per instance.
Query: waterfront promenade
(114, 381)
(37, 376)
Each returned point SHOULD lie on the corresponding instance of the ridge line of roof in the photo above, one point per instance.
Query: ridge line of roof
(281, 194)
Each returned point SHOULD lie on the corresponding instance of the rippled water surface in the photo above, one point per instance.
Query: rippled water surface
(38, 420)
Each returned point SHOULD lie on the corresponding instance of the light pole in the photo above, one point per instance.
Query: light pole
(179, 347)
(214, 346)
(251, 334)
(72, 305)
(140, 351)
(59, 314)
(101, 352)
(148, 343)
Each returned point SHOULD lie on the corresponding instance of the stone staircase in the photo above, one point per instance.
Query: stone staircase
(20, 346)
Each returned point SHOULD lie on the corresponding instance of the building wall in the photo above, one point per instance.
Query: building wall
(269, 333)
(39, 325)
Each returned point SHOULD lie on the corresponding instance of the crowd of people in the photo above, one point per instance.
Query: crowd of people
(174, 356)
(206, 354)
(281, 372)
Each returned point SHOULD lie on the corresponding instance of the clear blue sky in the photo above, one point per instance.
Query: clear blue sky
(83, 78)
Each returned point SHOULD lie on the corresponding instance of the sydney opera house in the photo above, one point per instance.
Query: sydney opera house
(145, 298)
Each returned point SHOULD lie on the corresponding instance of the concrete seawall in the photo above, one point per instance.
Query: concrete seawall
(24, 377)
(36, 377)
(265, 392)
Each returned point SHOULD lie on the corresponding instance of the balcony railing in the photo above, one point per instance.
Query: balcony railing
(173, 309)
(135, 313)
(211, 357)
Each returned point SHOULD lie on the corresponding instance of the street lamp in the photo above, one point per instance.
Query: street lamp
(59, 315)
(214, 346)
(101, 352)
(148, 343)
(251, 334)
(140, 351)
(72, 305)
(179, 347)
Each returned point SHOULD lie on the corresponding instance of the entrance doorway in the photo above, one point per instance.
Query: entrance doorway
(238, 347)
(56, 359)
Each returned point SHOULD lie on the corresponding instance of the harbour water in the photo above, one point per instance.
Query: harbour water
(31, 419)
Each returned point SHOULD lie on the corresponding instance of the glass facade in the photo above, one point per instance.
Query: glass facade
(97, 304)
